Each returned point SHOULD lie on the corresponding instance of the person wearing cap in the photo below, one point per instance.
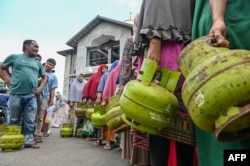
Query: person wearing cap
(23, 88)
(46, 100)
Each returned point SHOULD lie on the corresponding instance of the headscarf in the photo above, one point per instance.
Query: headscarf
(110, 85)
(90, 88)
(105, 76)
(75, 90)
(58, 100)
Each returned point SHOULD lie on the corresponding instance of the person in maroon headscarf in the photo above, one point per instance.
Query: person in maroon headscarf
(89, 93)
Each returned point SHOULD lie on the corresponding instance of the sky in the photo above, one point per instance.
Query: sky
(52, 23)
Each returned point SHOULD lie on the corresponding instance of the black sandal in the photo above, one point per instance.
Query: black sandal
(33, 146)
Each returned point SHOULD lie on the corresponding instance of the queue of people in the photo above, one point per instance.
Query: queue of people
(165, 28)
(32, 87)
(161, 30)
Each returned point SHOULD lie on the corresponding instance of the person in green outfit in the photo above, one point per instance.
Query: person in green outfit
(228, 21)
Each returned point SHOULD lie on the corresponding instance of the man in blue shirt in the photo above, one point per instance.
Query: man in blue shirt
(46, 98)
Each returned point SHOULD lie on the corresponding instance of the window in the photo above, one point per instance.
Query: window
(103, 54)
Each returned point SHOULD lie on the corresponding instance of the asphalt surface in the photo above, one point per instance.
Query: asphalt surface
(58, 151)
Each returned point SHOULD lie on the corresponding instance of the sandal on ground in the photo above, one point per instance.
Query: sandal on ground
(88, 139)
(45, 135)
(33, 146)
(98, 143)
(39, 141)
(107, 147)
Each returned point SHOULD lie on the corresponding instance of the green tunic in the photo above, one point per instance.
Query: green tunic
(237, 19)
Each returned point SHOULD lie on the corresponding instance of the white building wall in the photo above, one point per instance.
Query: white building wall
(78, 61)
(105, 28)
(69, 67)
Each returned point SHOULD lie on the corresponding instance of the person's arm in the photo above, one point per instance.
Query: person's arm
(154, 50)
(3, 75)
(98, 98)
(44, 80)
(52, 96)
(218, 29)
(218, 9)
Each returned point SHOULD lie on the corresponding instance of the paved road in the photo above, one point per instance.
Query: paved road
(57, 151)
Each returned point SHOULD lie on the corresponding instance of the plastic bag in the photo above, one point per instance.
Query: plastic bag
(88, 128)
(50, 110)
